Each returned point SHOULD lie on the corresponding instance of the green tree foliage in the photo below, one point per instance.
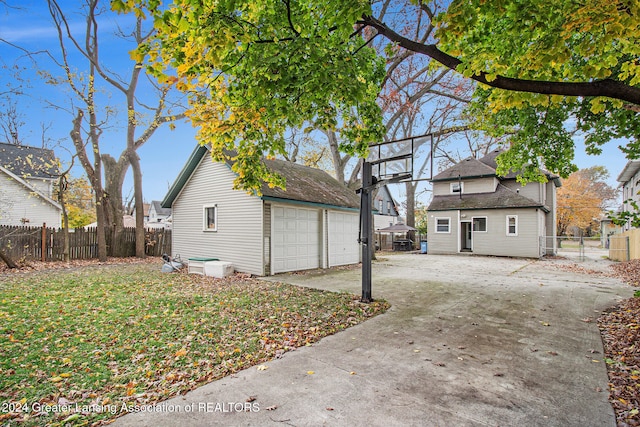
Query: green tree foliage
(557, 60)
(254, 68)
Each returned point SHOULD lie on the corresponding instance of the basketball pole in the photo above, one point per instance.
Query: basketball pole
(366, 234)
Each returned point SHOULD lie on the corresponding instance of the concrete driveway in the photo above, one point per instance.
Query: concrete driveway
(468, 341)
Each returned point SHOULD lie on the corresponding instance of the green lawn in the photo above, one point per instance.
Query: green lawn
(129, 334)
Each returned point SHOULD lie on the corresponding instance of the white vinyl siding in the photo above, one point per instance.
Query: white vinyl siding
(19, 204)
(443, 243)
(470, 186)
(496, 242)
(532, 190)
(238, 238)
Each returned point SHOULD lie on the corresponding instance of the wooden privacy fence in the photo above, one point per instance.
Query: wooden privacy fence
(625, 246)
(47, 244)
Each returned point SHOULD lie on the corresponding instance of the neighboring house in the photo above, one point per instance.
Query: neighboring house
(607, 229)
(385, 209)
(475, 210)
(314, 223)
(157, 213)
(27, 179)
(629, 180)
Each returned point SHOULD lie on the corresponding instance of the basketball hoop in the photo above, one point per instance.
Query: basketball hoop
(388, 162)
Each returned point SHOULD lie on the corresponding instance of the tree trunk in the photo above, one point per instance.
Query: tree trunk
(114, 173)
(7, 260)
(134, 159)
(62, 188)
(101, 220)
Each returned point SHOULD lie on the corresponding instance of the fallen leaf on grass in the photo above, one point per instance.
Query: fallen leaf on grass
(263, 368)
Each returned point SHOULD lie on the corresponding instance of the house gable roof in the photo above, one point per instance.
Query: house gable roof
(307, 184)
(630, 169)
(394, 205)
(482, 168)
(30, 188)
(157, 206)
(467, 168)
(303, 184)
(502, 198)
(184, 175)
(28, 162)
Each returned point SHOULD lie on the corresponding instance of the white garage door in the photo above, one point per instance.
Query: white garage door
(295, 238)
(343, 238)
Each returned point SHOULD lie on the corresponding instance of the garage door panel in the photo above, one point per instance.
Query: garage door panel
(343, 238)
(296, 239)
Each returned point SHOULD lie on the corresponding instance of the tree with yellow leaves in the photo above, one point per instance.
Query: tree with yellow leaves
(582, 199)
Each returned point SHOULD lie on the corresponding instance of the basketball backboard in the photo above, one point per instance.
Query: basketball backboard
(402, 160)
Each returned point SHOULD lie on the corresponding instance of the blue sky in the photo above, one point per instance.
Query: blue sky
(164, 155)
(30, 27)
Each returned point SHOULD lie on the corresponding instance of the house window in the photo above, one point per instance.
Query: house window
(210, 218)
(512, 225)
(480, 223)
(388, 206)
(442, 225)
(456, 187)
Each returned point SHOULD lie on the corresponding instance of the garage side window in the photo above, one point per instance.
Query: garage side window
(210, 218)
(480, 223)
(442, 225)
(512, 225)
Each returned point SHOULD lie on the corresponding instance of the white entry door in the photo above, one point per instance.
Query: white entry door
(343, 238)
(295, 237)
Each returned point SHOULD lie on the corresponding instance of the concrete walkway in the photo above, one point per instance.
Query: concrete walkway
(468, 341)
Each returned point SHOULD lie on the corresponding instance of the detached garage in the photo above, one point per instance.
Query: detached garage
(313, 223)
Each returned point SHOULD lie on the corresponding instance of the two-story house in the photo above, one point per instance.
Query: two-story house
(27, 179)
(476, 211)
(629, 180)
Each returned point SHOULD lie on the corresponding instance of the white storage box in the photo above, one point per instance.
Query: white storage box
(196, 265)
(218, 269)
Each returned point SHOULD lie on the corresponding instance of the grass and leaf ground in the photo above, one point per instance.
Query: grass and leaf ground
(99, 337)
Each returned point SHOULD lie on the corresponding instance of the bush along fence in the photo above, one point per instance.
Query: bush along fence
(47, 244)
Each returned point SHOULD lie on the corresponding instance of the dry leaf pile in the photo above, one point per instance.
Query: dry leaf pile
(620, 330)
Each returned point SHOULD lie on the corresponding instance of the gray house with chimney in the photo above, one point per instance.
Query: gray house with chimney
(314, 223)
(474, 210)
